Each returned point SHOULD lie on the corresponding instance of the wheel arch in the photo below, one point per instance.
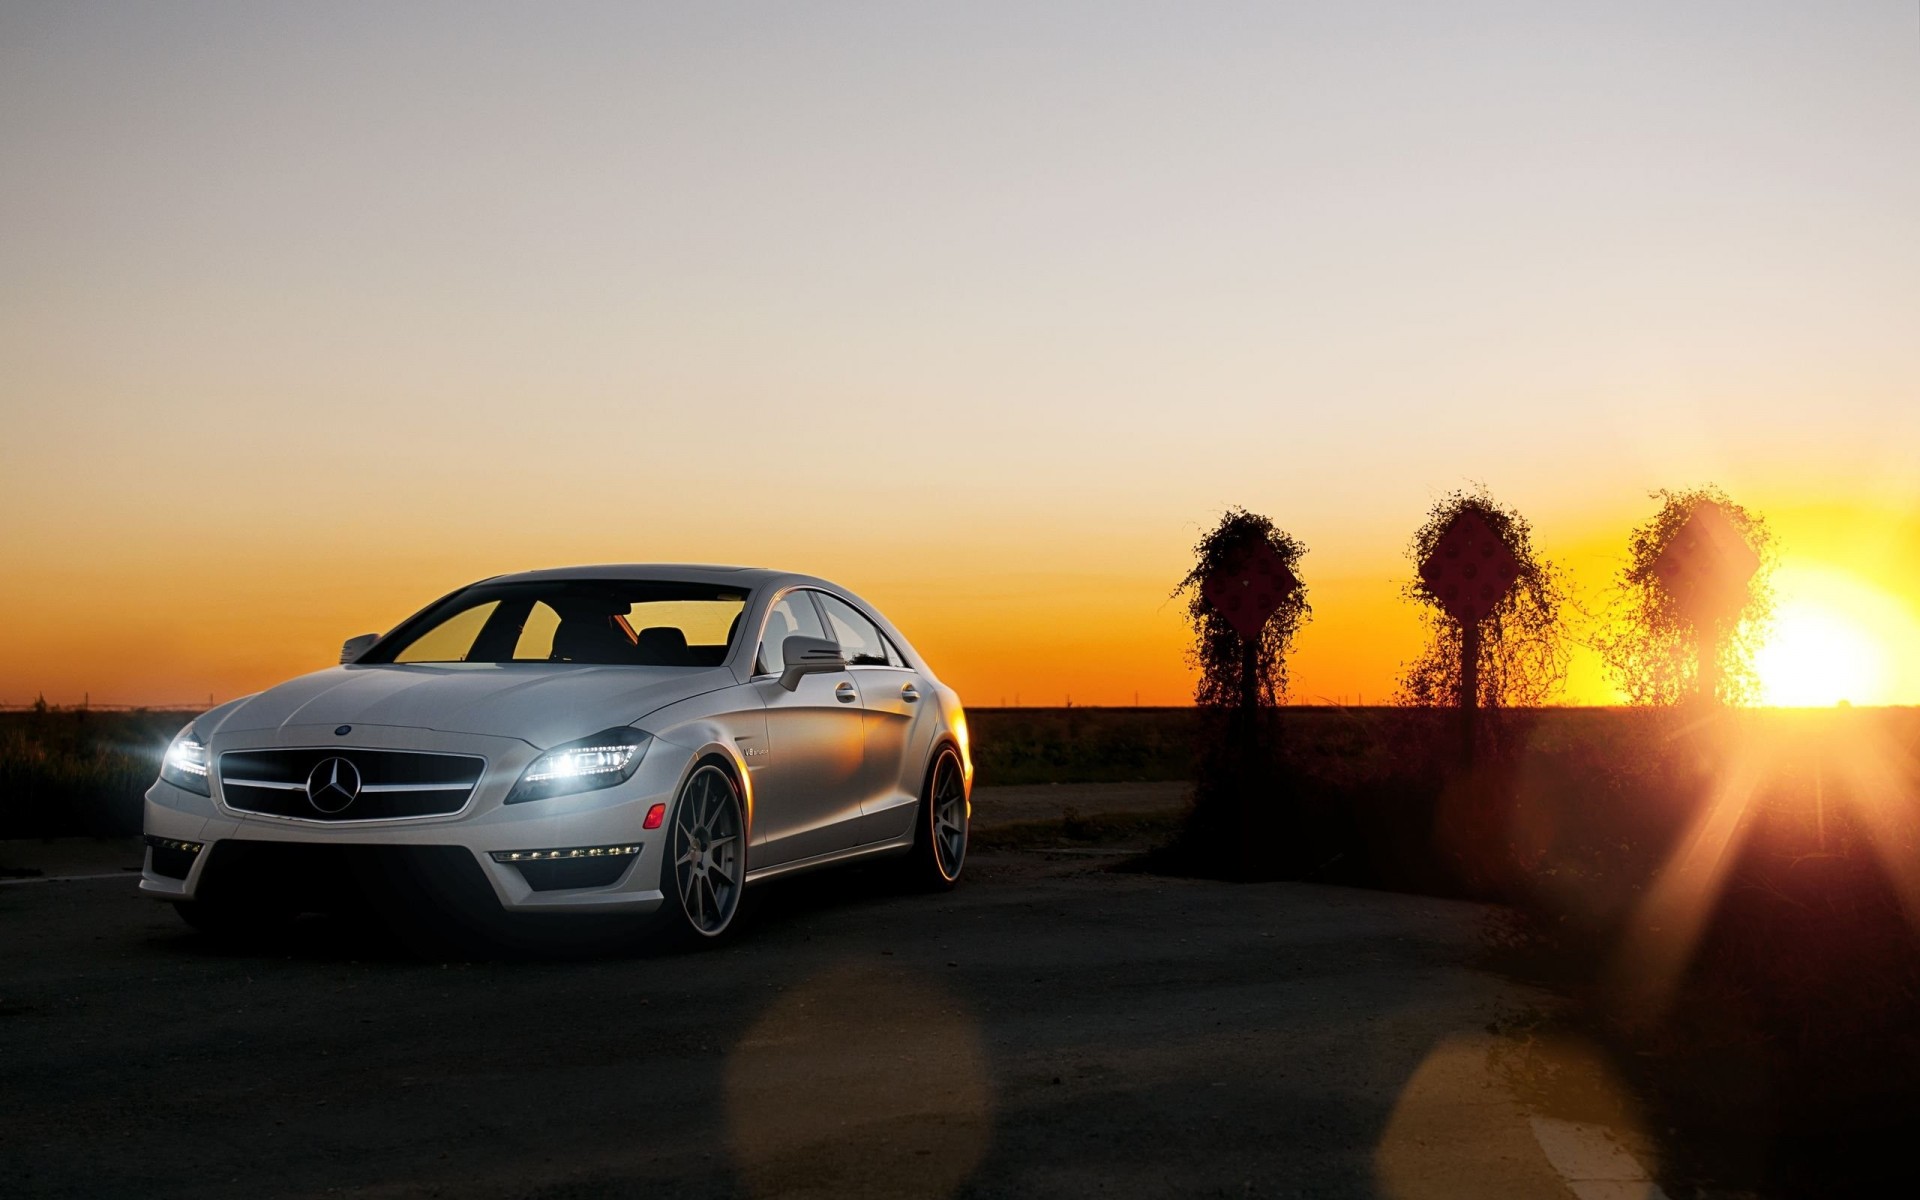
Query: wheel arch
(943, 742)
(728, 759)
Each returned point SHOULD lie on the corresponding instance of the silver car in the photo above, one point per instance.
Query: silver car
(641, 740)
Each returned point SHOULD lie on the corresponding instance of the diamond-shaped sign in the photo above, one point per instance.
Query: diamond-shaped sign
(1470, 569)
(1250, 588)
(1706, 565)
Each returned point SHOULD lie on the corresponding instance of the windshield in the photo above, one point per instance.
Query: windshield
(588, 621)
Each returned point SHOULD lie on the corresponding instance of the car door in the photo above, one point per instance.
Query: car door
(808, 786)
(898, 725)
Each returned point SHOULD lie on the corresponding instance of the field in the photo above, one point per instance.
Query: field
(79, 773)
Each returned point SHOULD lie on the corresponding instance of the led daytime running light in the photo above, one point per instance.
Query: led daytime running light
(188, 755)
(185, 764)
(513, 856)
(160, 843)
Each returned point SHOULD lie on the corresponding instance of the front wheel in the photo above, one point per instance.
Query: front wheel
(706, 865)
(940, 833)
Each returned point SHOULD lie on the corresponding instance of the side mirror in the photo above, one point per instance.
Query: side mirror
(808, 656)
(357, 646)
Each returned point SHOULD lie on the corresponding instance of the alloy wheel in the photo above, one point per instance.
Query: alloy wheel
(949, 816)
(708, 861)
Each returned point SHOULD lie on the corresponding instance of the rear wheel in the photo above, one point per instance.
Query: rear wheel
(706, 865)
(940, 834)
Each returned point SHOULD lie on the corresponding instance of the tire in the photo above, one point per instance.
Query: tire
(940, 831)
(234, 923)
(705, 869)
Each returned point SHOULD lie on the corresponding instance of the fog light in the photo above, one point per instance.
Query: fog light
(521, 856)
(171, 857)
(160, 843)
(655, 815)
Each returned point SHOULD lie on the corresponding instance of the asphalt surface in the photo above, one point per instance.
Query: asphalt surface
(1050, 1028)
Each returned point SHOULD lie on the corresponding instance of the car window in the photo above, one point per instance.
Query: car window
(860, 640)
(452, 638)
(536, 634)
(794, 615)
(640, 623)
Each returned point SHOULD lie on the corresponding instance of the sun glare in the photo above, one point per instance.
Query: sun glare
(1832, 641)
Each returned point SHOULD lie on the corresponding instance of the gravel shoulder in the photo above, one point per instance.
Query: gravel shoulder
(999, 807)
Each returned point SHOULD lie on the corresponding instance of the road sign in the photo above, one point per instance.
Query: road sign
(1250, 588)
(1707, 563)
(1470, 569)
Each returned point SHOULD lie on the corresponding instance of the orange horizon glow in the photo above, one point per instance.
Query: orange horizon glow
(1842, 630)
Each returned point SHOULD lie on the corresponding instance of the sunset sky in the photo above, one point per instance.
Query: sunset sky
(310, 313)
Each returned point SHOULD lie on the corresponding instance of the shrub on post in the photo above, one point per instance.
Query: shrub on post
(1246, 603)
(1491, 606)
(1694, 602)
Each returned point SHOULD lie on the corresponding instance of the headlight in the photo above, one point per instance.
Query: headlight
(600, 761)
(185, 765)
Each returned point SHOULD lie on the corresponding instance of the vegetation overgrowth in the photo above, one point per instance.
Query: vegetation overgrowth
(1523, 650)
(1218, 651)
(1656, 644)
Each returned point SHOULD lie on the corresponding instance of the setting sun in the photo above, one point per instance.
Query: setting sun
(1834, 639)
(1816, 658)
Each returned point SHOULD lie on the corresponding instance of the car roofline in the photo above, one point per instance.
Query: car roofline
(746, 577)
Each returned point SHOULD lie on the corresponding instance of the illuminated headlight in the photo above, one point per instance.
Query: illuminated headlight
(601, 761)
(185, 765)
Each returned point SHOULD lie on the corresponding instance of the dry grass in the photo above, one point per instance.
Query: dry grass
(71, 773)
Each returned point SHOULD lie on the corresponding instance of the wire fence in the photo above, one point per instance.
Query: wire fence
(91, 706)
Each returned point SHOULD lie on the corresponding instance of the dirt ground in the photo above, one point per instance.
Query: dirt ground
(1050, 1028)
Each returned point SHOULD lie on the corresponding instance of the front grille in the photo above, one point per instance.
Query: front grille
(341, 784)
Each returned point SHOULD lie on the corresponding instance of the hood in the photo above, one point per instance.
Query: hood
(541, 703)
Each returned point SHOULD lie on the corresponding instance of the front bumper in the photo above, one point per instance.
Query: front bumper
(486, 825)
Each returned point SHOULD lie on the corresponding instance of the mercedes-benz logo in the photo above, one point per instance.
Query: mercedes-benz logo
(333, 784)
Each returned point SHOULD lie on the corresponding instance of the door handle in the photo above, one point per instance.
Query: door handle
(845, 694)
(909, 693)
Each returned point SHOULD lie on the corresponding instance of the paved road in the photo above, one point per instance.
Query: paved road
(1049, 1029)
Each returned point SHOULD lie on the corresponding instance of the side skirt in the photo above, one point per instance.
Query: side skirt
(834, 858)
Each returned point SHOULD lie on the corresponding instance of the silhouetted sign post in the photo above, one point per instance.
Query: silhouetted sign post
(1247, 592)
(1248, 588)
(1469, 571)
(1706, 567)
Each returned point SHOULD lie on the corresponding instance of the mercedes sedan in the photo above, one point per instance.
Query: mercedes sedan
(643, 741)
